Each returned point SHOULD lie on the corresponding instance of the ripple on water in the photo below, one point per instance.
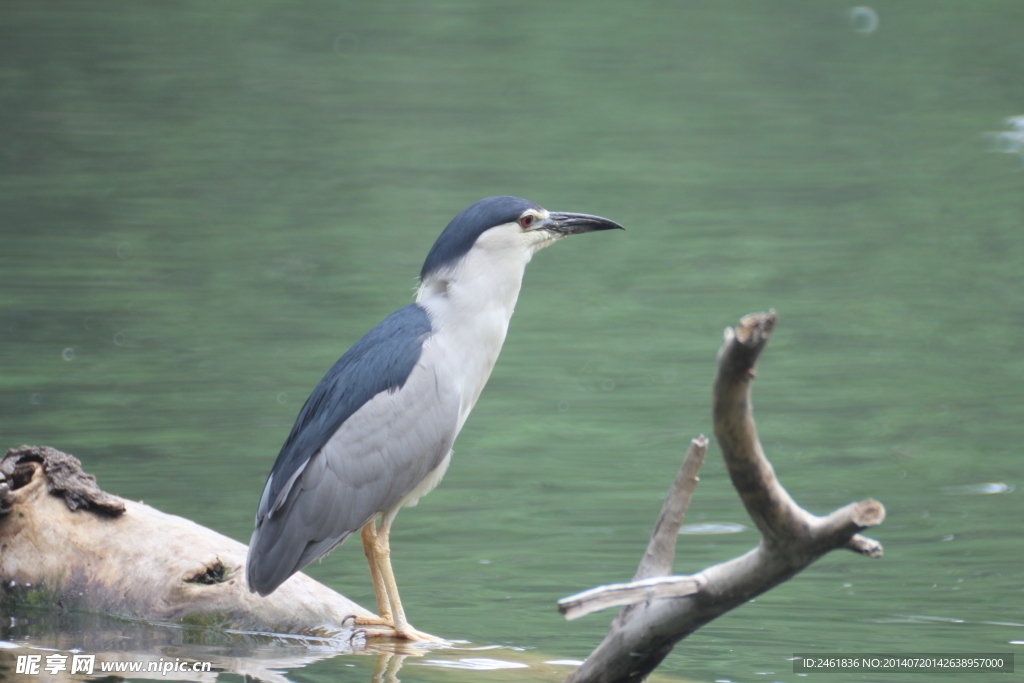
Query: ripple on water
(475, 664)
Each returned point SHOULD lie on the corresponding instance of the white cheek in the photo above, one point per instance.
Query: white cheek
(510, 242)
(501, 237)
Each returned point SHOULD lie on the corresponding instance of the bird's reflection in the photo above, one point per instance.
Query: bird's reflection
(387, 668)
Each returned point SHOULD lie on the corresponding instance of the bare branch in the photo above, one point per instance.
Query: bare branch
(617, 594)
(864, 546)
(644, 632)
(657, 560)
(770, 507)
(652, 580)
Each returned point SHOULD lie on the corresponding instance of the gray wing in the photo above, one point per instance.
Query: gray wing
(381, 361)
(375, 458)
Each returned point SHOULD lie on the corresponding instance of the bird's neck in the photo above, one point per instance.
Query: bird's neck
(470, 308)
(481, 291)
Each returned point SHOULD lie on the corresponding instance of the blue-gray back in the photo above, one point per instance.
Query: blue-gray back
(380, 361)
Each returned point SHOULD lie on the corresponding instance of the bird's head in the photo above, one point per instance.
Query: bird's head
(505, 230)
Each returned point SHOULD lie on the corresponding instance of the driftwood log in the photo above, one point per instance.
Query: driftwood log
(661, 609)
(66, 543)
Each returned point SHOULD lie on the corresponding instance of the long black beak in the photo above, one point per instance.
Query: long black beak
(575, 223)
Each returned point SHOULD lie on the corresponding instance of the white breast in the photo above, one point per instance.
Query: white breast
(470, 306)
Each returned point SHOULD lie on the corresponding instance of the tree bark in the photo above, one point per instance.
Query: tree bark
(643, 634)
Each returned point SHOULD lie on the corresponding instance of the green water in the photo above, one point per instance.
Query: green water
(203, 205)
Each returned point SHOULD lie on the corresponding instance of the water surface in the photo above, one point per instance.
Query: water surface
(203, 205)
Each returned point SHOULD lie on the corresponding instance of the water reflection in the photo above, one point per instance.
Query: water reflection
(153, 647)
(168, 652)
(476, 664)
(387, 667)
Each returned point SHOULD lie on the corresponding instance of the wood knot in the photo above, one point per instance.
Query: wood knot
(64, 478)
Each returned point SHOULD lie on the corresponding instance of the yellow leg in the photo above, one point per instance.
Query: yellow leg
(377, 546)
(369, 537)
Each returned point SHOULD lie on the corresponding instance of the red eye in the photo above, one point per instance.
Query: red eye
(527, 220)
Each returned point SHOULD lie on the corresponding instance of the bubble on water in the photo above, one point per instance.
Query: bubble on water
(609, 385)
(119, 338)
(124, 250)
(864, 20)
(68, 354)
(35, 399)
(282, 397)
(563, 405)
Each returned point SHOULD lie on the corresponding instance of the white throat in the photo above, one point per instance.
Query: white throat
(471, 302)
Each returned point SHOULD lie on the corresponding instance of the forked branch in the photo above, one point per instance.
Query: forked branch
(662, 612)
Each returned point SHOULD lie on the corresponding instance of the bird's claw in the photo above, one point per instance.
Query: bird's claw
(376, 627)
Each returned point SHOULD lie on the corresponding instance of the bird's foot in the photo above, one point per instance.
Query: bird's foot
(378, 627)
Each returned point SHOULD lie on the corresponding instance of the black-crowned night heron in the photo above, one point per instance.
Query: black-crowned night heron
(377, 432)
